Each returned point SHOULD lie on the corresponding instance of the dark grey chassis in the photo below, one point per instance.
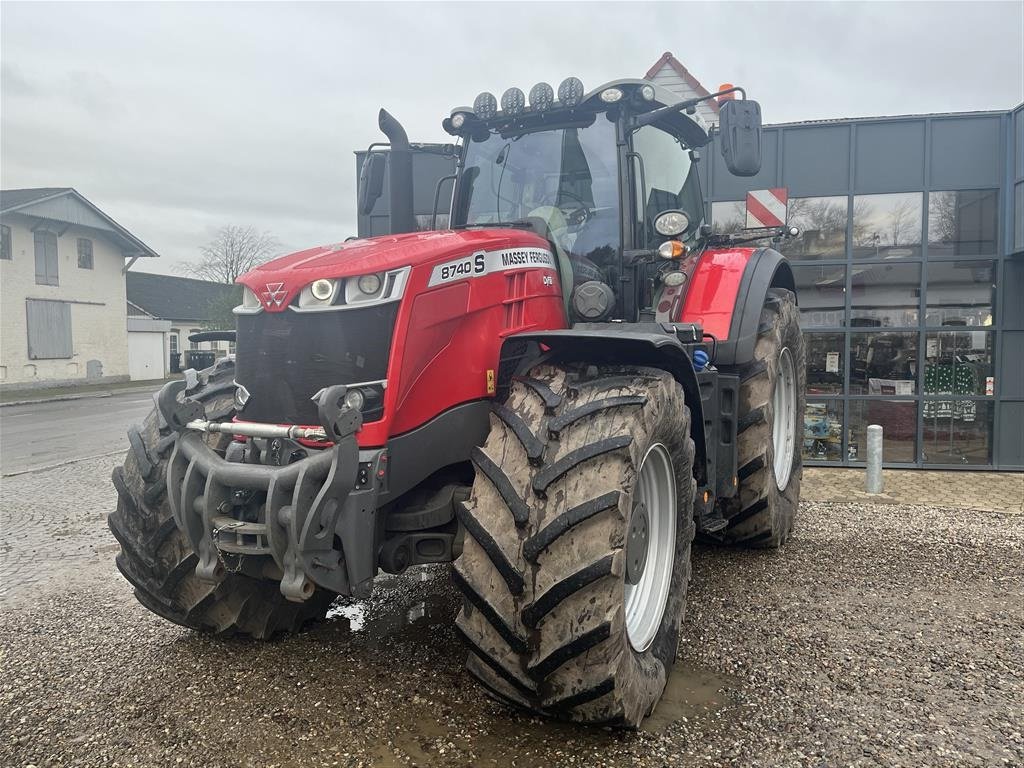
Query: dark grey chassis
(308, 502)
(321, 518)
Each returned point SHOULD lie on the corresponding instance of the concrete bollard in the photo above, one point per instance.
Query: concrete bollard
(874, 473)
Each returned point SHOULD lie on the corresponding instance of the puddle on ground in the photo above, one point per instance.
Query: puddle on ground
(691, 692)
(399, 605)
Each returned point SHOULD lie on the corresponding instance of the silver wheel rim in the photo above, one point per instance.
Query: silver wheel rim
(646, 600)
(784, 423)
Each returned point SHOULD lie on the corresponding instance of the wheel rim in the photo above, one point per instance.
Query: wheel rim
(784, 423)
(646, 599)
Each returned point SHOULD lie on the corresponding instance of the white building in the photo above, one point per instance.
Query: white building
(669, 73)
(62, 290)
(185, 306)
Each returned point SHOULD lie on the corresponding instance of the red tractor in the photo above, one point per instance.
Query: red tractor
(556, 395)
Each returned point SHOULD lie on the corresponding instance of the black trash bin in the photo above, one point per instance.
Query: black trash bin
(200, 358)
(175, 362)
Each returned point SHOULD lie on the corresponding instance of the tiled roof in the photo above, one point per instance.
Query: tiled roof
(176, 298)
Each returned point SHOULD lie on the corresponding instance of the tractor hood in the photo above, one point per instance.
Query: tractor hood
(277, 282)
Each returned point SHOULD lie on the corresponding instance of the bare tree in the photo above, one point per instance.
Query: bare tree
(905, 222)
(232, 252)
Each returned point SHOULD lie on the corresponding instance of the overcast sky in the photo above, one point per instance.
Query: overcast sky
(179, 118)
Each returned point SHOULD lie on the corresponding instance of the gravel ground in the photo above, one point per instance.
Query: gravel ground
(881, 635)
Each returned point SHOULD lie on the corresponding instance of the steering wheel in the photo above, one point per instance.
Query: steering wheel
(575, 216)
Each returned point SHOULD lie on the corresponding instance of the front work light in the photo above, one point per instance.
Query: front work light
(647, 92)
(611, 95)
(671, 223)
(673, 279)
(458, 120)
(485, 106)
(570, 91)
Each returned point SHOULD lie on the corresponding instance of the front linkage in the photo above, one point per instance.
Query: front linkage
(317, 518)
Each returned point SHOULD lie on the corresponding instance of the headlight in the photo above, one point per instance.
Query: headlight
(673, 279)
(671, 223)
(354, 399)
(369, 284)
(322, 290)
(319, 293)
(351, 292)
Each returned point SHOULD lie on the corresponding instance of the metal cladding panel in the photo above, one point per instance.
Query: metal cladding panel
(284, 358)
(1018, 141)
(889, 157)
(1009, 448)
(815, 159)
(69, 209)
(965, 152)
(1010, 378)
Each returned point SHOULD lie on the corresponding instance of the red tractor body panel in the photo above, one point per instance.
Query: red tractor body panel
(449, 328)
(451, 321)
(714, 288)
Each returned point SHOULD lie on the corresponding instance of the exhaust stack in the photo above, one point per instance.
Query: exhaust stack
(399, 174)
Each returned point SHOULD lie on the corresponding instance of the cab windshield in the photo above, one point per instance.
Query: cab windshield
(566, 178)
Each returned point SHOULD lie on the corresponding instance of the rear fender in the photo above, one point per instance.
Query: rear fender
(640, 344)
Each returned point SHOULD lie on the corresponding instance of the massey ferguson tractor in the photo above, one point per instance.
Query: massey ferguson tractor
(555, 395)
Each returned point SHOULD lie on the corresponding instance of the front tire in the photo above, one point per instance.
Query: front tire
(555, 530)
(770, 429)
(157, 558)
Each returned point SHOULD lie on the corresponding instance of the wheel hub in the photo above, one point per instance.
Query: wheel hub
(650, 547)
(784, 421)
(637, 543)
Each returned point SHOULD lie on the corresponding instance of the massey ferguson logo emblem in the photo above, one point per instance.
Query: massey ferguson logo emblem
(275, 294)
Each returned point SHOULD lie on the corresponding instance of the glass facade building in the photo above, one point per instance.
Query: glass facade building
(910, 273)
(910, 270)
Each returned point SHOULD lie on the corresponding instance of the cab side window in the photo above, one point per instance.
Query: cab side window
(669, 182)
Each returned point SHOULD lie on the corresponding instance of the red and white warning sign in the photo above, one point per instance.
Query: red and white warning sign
(767, 208)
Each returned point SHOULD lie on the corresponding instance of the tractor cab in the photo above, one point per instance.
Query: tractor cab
(607, 177)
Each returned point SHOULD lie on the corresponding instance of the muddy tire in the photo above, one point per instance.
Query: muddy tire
(551, 531)
(156, 557)
(770, 429)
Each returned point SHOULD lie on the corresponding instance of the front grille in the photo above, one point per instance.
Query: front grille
(284, 358)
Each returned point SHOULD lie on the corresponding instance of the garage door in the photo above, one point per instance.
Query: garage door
(145, 355)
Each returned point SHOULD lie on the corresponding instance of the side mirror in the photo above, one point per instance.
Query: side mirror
(371, 181)
(740, 134)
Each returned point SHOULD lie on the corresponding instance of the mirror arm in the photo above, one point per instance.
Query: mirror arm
(652, 117)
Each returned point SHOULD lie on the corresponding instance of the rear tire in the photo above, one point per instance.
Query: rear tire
(156, 557)
(770, 429)
(547, 614)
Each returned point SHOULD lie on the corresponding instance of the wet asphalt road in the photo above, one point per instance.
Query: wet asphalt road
(45, 434)
(881, 636)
